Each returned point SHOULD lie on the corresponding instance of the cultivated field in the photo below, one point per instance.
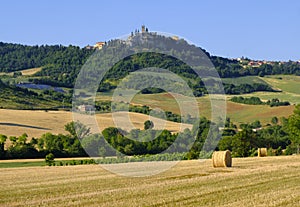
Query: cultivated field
(268, 181)
(239, 113)
(243, 113)
(36, 123)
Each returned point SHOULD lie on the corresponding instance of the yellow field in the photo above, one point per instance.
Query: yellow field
(26, 72)
(268, 181)
(36, 123)
(30, 71)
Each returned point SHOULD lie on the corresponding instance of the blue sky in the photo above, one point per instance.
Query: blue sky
(258, 29)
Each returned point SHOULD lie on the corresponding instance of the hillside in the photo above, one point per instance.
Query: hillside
(19, 98)
(60, 65)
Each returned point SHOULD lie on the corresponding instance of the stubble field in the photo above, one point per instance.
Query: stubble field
(269, 181)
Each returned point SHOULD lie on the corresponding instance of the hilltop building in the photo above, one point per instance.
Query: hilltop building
(89, 47)
(143, 29)
(99, 45)
(176, 38)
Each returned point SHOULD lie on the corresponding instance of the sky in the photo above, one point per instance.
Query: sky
(257, 29)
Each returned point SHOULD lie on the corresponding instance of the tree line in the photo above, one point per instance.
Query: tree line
(257, 101)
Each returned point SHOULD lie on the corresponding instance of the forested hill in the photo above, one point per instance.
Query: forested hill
(66, 61)
(61, 64)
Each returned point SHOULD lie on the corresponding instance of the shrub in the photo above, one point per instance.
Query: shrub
(49, 159)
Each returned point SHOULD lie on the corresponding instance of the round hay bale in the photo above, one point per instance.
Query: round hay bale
(262, 152)
(222, 159)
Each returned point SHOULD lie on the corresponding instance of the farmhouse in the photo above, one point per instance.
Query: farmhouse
(86, 108)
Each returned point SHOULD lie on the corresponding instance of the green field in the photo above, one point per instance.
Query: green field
(268, 181)
(287, 84)
(22, 164)
(239, 113)
(39, 162)
(244, 80)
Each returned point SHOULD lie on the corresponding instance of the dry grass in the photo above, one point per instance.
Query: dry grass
(136, 120)
(30, 71)
(269, 181)
(36, 123)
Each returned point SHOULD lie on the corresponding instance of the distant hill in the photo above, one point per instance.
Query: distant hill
(61, 65)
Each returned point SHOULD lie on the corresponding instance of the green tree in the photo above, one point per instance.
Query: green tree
(225, 143)
(294, 128)
(148, 125)
(77, 130)
(2, 143)
(256, 124)
(49, 159)
(20, 148)
(243, 142)
(274, 120)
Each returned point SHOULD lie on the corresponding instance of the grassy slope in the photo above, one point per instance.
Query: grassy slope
(243, 80)
(28, 102)
(269, 181)
(288, 84)
(12, 99)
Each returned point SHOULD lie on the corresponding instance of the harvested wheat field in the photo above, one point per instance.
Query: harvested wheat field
(36, 123)
(268, 181)
(33, 123)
